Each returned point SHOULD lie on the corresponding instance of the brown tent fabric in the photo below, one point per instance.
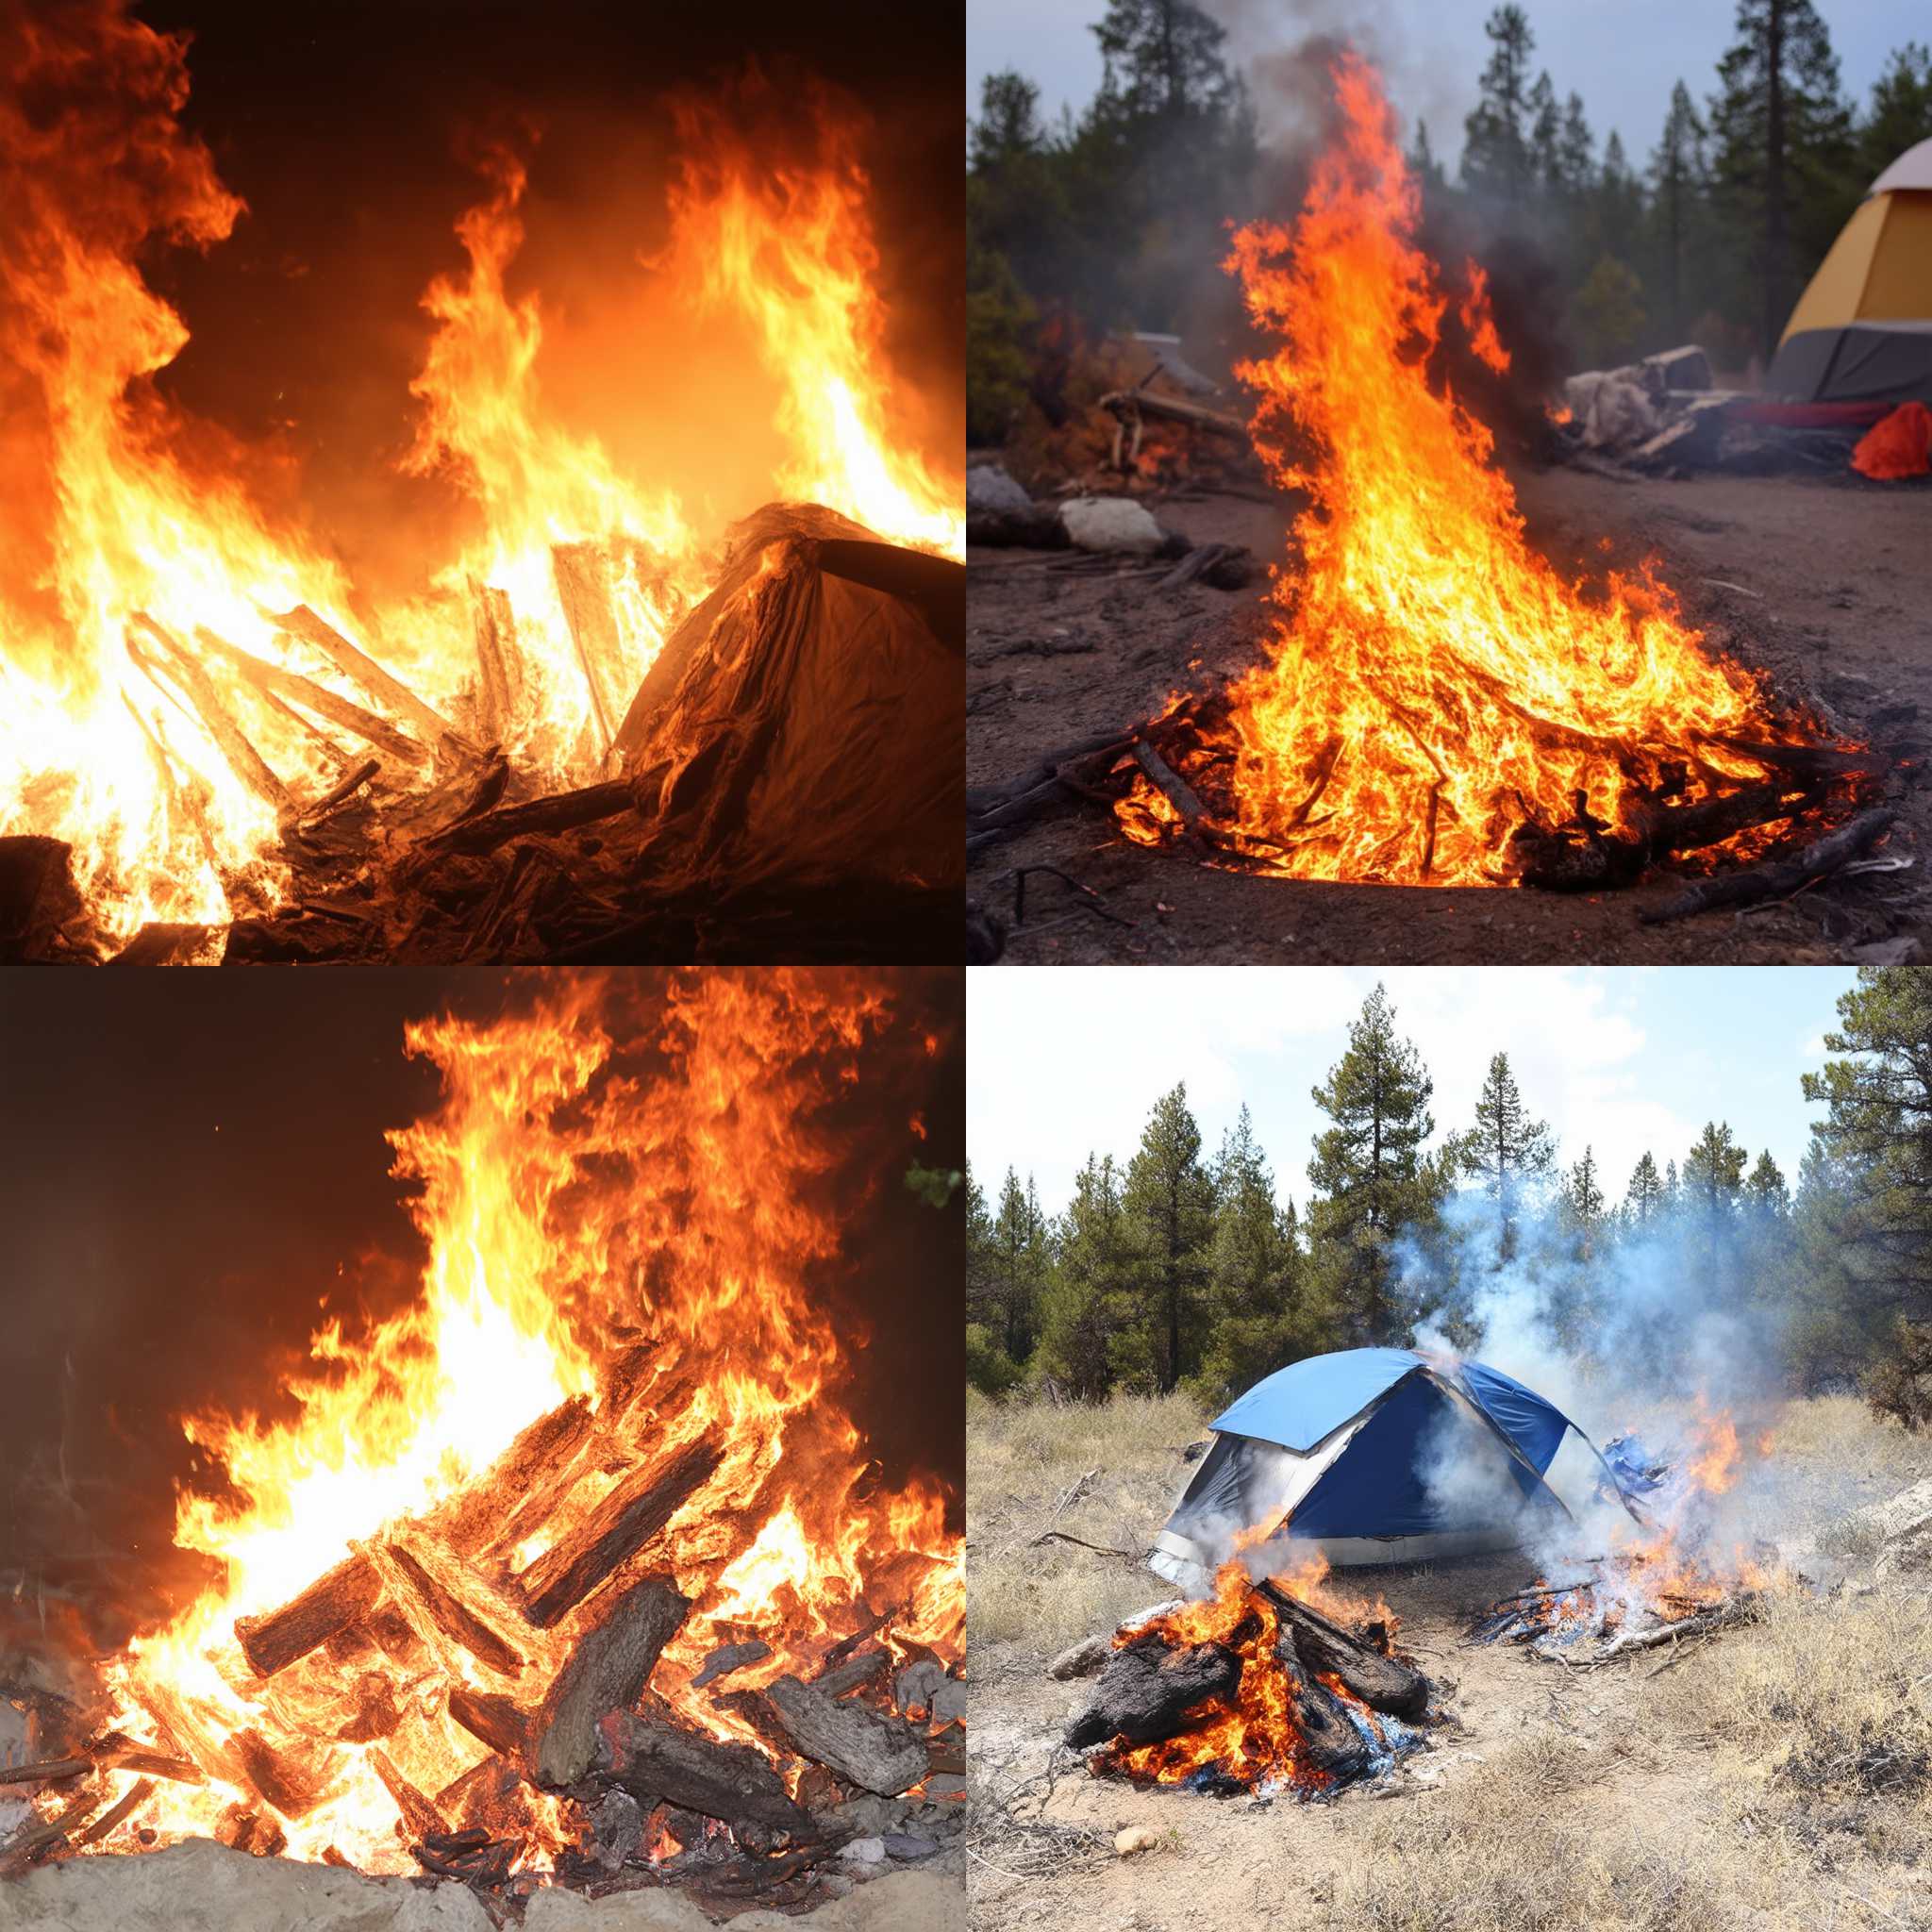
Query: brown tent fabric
(803, 725)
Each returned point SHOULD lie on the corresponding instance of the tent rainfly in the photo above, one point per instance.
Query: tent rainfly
(1381, 1456)
(1863, 330)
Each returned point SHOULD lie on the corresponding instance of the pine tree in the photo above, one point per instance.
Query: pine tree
(1257, 1316)
(1874, 1148)
(1370, 1177)
(1545, 136)
(1713, 1190)
(1164, 59)
(1017, 1258)
(1644, 1199)
(1901, 111)
(1783, 137)
(1423, 163)
(1678, 178)
(1505, 1151)
(1496, 152)
(1583, 1199)
(1093, 1296)
(1169, 1201)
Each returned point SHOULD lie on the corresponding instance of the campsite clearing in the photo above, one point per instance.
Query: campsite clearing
(1824, 583)
(1778, 1777)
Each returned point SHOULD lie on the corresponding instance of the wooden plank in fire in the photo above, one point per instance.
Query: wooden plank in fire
(445, 1601)
(284, 683)
(583, 587)
(357, 665)
(185, 672)
(550, 1442)
(334, 1600)
(499, 682)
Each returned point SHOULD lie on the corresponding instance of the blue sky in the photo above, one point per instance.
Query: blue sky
(1064, 1060)
(1622, 56)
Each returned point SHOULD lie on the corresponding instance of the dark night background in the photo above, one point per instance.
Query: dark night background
(344, 127)
(189, 1162)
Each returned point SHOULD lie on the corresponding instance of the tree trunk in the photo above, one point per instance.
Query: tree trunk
(1147, 1690)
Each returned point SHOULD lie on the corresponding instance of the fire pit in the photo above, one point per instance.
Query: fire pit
(1438, 705)
(1255, 1691)
(604, 724)
(575, 1571)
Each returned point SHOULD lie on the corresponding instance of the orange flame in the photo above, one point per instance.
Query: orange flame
(1432, 682)
(595, 1168)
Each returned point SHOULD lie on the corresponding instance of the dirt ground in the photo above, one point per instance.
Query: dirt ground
(1825, 585)
(1734, 1790)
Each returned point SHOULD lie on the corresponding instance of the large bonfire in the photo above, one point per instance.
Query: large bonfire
(1436, 696)
(618, 1385)
(186, 676)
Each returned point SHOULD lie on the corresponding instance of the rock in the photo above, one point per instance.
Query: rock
(916, 1685)
(1881, 1521)
(989, 489)
(1082, 1659)
(1136, 1838)
(909, 1846)
(1900, 952)
(934, 1901)
(949, 1702)
(199, 1886)
(1112, 524)
(864, 1851)
(1907, 1553)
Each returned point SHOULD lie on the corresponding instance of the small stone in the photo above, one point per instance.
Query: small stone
(908, 1846)
(1136, 1838)
(864, 1851)
(1082, 1659)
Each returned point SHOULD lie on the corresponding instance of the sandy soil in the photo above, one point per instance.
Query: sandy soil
(1620, 1786)
(1836, 582)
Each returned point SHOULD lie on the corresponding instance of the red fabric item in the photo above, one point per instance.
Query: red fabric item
(1901, 445)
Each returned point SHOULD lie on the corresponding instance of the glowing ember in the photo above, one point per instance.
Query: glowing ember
(1432, 684)
(624, 1201)
(174, 658)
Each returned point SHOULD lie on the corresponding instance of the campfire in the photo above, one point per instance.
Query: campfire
(1439, 705)
(589, 720)
(1256, 1689)
(575, 1571)
(1672, 1576)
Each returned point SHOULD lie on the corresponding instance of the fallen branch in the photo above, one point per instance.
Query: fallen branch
(196, 686)
(1780, 879)
(281, 682)
(561, 812)
(358, 666)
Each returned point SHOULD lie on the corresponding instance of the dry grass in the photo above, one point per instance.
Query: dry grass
(1103, 1473)
(1524, 1848)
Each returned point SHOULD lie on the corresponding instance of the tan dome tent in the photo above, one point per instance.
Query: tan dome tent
(1863, 330)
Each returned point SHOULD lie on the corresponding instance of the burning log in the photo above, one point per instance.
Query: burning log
(659, 1763)
(420, 1814)
(136, 1796)
(47, 1772)
(377, 1715)
(883, 1754)
(334, 1600)
(1180, 794)
(844, 1678)
(33, 1844)
(1779, 880)
(181, 1771)
(478, 1520)
(339, 794)
(361, 669)
(945, 1751)
(243, 1830)
(728, 1657)
(282, 683)
(561, 812)
(195, 685)
(608, 1671)
(1334, 1746)
(1383, 1683)
(450, 1615)
(497, 1721)
(620, 1526)
(1147, 1690)
(275, 1780)
(754, 1709)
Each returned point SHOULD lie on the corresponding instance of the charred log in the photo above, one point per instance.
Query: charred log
(620, 1526)
(728, 1657)
(1383, 1683)
(49, 1771)
(562, 813)
(420, 1814)
(550, 1440)
(453, 1617)
(334, 1601)
(33, 1844)
(136, 1796)
(1334, 1745)
(608, 1669)
(883, 1754)
(1147, 1690)
(658, 1762)
(276, 1780)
